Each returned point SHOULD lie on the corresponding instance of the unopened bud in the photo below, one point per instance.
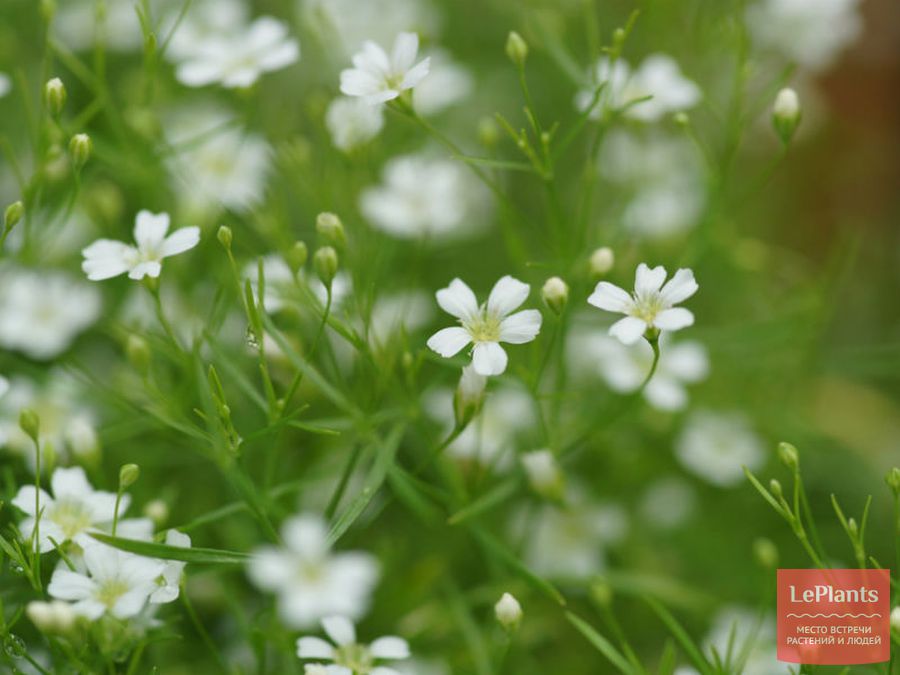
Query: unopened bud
(128, 474)
(325, 261)
(508, 612)
(516, 49)
(469, 395)
(601, 593)
(225, 236)
(852, 527)
(544, 474)
(766, 553)
(138, 352)
(296, 257)
(13, 215)
(786, 114)
(55, 95)
(681, 119)
(789, 456)
(80, 148)
(157, 511)
(893, 480)
(895, 619)
(51, 617)
(488, 132)
(602, 261)
(775, 488)
(331, 229)
(555, 294)
(30, 423)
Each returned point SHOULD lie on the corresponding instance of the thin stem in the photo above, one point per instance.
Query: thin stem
(36, 535)
(161, 316)
(654, 344)
(298, 378)
(115, 521)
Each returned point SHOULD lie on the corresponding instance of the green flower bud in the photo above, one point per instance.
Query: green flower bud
(488, 132)
(766, 553)
(138, 352)
(601, 593)
(55, 95)
(775, 489)
(297, 256)
(325, 261)
(30, 423)
(555, 294)
(544, 474)
(331, 229)
(789, 456)
(225, 236)
(893, 480)
(128, 474)
(80, 148)
(516, 49)
(852, 527)
(681, 119)
(786, 114)
(13, 215)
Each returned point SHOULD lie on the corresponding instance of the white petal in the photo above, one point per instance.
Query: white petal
(131, 603)
(102, 505)
(306, 535)
(373, 59)
(199, 72)
(611, 298)
(448, 341)
(271, 568)
(389, 647)
(71, 483)
(180, 240)
(628, 330)
(687, 361)
(679, 288)
(520, 327)
(665, 393)
(488, 358)
(673, 319)
(384, 670)
(416, 74)
(106, 258)
(89, 608)
(506, 295)
(150, 229)
(150, 268)
(458, 300)
(356, 82)
(406, 46)
(24, 500)
(648, 281)
(339, 629)
(68, 585)
(314, 648)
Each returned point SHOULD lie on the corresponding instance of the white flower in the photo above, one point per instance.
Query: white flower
(447, 83)
(74, 510)
(116, 582)
(42, 312)
(895, 618)
(810, 32)
(352, 122)
(742, 631)
(486, 326)
(238, 60)
(107, 258)
(716, 447)
(377, 77)
(312, 582)
(5, 84)
(651, 304)
(423, 197)
(206, 20)
(544, 473)
(508, 611)
(668, 503)
(75, 24)
(347, 656)
(406, 311)
(658, 78)
(169, 581)
(51, 617)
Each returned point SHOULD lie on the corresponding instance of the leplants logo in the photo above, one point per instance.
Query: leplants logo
(833, 617)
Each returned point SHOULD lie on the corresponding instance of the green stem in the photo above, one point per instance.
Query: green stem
(36, 535)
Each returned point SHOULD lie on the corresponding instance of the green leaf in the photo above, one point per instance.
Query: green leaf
(603, 645)
(490, 499)
(681, 635)
(202, 556)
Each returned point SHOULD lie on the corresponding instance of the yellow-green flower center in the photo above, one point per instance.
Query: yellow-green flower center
(484, 328)
(646, 308)
(71, 515)
(110, 591)
(355, 657)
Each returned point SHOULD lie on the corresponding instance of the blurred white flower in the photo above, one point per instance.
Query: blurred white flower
(41, 312)
(310, 581)
(658, 77)
(486, 326)
(346, 655)
(5, 84)
(716, 447)
(205, 20)
(74, 510)
(651, 304)
(169, 582)
(447, 83)
(668, 503)
(377, 77)
(278, 278)
(76, 26)
(67, 424)
(239, 59)
(741, 632)
(401, 311)
(811, 33)
(107, 258)
(352, 122)
(508, 611)
(544, 474)
(624, 367)
(115, 581)
(423, 197)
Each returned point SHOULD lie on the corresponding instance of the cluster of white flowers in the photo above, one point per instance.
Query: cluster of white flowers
(377, 77)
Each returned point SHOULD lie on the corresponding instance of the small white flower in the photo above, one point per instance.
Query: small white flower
(895, 618)
(716, 447)
(51, 617)
(107, 258)
(508, 611)
(447, 83)
(668, 503)
(347, 656)
(116, 582)
(743, 631)
(379, 78)
(206, 20)
(310, 581)
(74, 510)
(352, 122)
(651, 306)
(544, 473)
(238, 59)
(170, 581)
(486, 326)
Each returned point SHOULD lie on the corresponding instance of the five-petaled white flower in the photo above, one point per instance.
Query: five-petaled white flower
(650, 306)
(116, 582)
(347, 656)
(107, 258)
(486, 326)
(379, 78)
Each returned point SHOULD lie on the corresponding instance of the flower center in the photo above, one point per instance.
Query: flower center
(110, 591)
(70, 515)
(394, 80)
(484, 328)
(647, 307)
(355, 657)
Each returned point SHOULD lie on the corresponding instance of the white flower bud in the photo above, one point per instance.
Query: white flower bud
(325, 260)
(469, 395)
(508, 612)
(128, 474)
(555, 294)
(544, 474)
(602, 261)
(786, 114)
(895, 618)
(330, 227)
(157, 511)
(81, 437)
(55, 94)
(80, 148)
(51, 617)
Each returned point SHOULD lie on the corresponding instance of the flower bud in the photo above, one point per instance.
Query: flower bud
(508, 612)
(138, 352)
(602, 261)
(469, 395)
(331, 229)
(488, 132)
(775, 489)
(30, 423)
(555, 294)
(13, 215)
(544, 474)
(325, 261)
(601, 593)
(55, 95)
(766, 553)
(157, 511)
(681, 119)
(516, 49)
(893, 480)
(852, 527)
(296, 256)
(786, 114)
(225, 237)
(51, 617)
(80, 148)
(895, 619)
(128, 474)
(788, 455)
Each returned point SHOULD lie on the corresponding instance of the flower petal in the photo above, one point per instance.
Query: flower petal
(180, 240)
(506, 295)
(648, 281)
(68, 585)
(406, 46)
(150, 229)
(628, 330)
(611, 298)
(150, 268)
(665, 393)
(355, 82)
(673, 319)
(314, 648)
(71, 482)
(24, 500)
(340, 629)
(458, 300)
(520, 327)
(680, 287)
(416, 74)
(389, 647)
(489, 358)
(448, 341)
(106, 258)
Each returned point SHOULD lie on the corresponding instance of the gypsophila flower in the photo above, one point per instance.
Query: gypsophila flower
(352, 122)
(717, 447)
(239, 59)
(379, 78)
(447, 83)
(107, 258)
(310, 581)
(346, 655)
(651, 306)
(486, 326)
(114, 581)
(169, 581)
